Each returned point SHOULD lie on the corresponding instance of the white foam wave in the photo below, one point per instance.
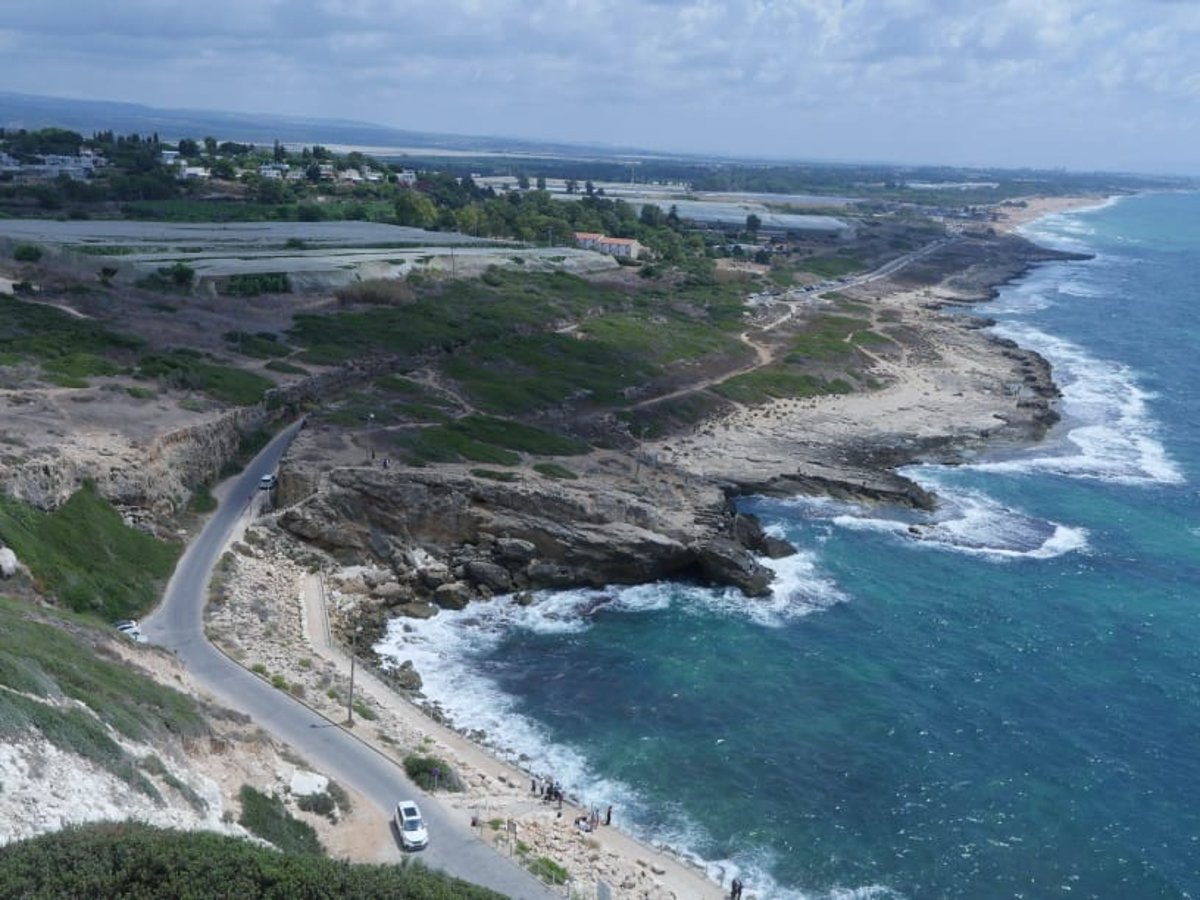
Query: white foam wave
(975, 524)
(442, 650)
(752, 869)
(1111, 434)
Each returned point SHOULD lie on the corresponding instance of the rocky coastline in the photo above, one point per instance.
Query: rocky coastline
(667, 509)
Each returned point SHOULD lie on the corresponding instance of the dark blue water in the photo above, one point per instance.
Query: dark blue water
(1007, 705)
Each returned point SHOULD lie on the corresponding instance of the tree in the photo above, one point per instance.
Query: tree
(541, 182)
(210, 146)
(278, 153)
(753, 223)
(651, 215)
(523, 181)
(589, 188)
(572, 185)
(415, 209)
(188, 147)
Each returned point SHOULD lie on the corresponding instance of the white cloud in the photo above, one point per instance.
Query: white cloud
(754, 76)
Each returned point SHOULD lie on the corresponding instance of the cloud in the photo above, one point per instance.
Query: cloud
(666, 71)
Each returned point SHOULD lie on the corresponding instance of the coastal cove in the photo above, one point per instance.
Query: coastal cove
(993, 698)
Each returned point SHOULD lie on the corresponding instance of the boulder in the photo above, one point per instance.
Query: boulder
(454, 595)
(416, 609)
(405, 677)
(433, 576)
(724, 561)
(8, 562)
(491, 575)
(515, 550)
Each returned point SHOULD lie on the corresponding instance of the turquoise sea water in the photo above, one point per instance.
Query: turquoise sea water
(1006, 706)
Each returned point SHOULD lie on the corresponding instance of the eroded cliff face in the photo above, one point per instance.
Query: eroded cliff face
(450, 536)
(146, 460)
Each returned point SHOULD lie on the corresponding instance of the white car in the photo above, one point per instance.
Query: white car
(411, 826)
(131, 630)
(267, 482)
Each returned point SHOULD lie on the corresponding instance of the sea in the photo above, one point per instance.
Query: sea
(1003, 701)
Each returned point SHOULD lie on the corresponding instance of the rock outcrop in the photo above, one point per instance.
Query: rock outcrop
(481, 537)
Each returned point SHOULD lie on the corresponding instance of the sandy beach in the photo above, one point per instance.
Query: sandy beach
(952, 384)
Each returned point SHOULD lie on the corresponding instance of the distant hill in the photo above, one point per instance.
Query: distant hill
(32, 111)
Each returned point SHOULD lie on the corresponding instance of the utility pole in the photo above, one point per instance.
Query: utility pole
(353, 655)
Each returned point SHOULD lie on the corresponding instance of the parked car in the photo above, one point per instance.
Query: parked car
(411, 826)
(131, 630)
(267, 482)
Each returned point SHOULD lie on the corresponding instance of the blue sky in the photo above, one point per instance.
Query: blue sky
(1076, 83)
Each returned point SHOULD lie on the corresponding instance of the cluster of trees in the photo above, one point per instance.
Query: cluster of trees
(439, 200)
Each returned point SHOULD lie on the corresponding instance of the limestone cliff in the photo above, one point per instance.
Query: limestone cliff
(490, 537)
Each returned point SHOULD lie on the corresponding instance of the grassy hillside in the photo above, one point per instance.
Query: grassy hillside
(130, 860)
(86, 556)
(47, 656)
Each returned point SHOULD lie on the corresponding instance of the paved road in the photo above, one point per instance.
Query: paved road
(178, 625)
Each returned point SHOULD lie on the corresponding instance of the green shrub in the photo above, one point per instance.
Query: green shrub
(554, 470)
(421, 770)
(322, 804)
(287, 368)
(133, 860)
(258, 283)
(493, 475)
(201, 500)
(27, 253)
(549, 871)
(267, 817)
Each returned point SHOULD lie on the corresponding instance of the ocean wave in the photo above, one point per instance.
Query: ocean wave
(1111, 434)
(966, 521)
(443, 648)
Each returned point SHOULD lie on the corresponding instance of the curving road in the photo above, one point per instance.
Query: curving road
(178, 625)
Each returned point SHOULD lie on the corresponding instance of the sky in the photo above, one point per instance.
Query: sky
(1080, 84)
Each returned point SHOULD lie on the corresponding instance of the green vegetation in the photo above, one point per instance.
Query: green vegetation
(260, 283)
(132, 860)
(514, 436)
(263, 344)
(188, 370)
(158, 769)
(66, 346)
(765, 384)
(47, 655)
(828, 337)
(287, 368)
(554, 470)
(74, 731)
(267, 817)
(87, 556)
(176, 277)
(494, 475)
(27, 253)
(202, 501)
(831, 266)
(422, 769)
(547, 870)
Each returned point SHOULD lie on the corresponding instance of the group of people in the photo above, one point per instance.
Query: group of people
(591, 821)
(550, 791)
(735, 889)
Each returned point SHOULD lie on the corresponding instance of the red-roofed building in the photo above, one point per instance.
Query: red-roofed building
(622, 248)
